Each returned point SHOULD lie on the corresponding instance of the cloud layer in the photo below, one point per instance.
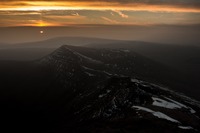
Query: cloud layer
(150, 5)
(65, 12)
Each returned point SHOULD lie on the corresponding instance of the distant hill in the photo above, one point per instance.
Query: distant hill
(35, 50)
(59, 41)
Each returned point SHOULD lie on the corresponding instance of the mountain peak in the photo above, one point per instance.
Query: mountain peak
(66, 53)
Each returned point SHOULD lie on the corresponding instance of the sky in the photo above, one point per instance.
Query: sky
(43, 13)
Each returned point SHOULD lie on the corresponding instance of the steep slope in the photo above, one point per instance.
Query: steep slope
(128, 63)
(116, 61)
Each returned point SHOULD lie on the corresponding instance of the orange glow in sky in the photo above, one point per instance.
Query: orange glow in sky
(29, 12)
(39, 5)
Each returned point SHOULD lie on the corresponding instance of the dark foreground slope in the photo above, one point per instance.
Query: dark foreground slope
(78, 89)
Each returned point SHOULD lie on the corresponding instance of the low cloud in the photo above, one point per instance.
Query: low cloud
(110, 21)
(120, 14)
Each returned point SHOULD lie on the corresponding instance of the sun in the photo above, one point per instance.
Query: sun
(41, 32)
(41, 24)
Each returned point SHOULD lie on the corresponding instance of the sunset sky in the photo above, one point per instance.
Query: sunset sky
(112, 12)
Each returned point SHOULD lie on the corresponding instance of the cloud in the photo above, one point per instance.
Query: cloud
(134, 5)
(72, 17)
(150, 2)
(120, 14)
(91, 11)
(110, 21)
(75, 14)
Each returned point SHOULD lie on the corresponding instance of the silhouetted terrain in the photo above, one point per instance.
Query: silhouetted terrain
(79, 89)
(183, 59)
(35, 50)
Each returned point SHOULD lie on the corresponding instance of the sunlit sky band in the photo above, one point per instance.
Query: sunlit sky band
(38, 5)
(19, 13)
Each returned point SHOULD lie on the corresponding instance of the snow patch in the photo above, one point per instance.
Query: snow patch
(136, 81)
(102, 95)
(170, 105)
(162, 103)
(91, 75)
(86, 68)
(182, 105)
(107, 73)
(157, 114)
(186, 127)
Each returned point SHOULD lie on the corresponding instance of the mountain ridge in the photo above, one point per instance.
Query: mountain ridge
(80, 89)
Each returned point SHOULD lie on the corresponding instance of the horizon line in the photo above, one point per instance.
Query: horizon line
(99, 25)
